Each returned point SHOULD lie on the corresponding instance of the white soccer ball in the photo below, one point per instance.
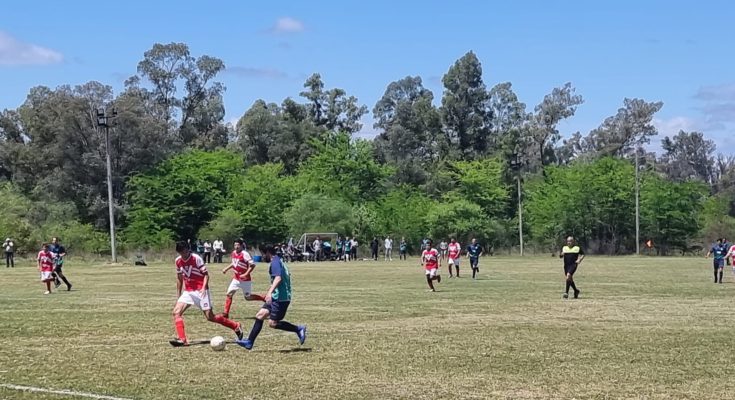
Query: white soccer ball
(218, 343)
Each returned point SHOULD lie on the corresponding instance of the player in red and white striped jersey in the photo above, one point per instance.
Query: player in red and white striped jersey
(242, 265)
(455, 250)
(431, 263)
(45, 262)
(192, 288)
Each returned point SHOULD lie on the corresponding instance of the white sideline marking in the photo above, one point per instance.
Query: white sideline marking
(62, 392)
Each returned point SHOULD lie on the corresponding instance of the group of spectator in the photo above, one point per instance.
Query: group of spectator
(207, 249)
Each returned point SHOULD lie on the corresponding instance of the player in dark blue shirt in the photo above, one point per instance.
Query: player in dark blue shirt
(718, 252)
(474, 251)
(59, 253)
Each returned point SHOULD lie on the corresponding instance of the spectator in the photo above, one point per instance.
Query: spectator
(388, 248)
(219, 250)
(207, 252)
(374, 245)
(353, 249)
(9, 253)
(200, 247)
(403, 247)
(317, 247)
(348, 249)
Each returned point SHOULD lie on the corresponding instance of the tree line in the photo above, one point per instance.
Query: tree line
(437, 168)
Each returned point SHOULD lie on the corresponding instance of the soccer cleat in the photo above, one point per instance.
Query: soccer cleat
(68, 288)
(576, 293)
(565, 295)
(47, 292)
(178, 343)
(301, 333)
(238, 332)
(245, 343)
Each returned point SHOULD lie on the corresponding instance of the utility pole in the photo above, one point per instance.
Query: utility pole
(637, 207)
(515, 165)
(104, 120)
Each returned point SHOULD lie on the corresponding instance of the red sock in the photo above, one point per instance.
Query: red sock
(257, 297)
(225, 322)
(179, 322)
(228, 304)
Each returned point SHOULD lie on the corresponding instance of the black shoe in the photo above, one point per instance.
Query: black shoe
(576, 293)
(57, 284)
(178, 343)
(565, 295)
(68, 287)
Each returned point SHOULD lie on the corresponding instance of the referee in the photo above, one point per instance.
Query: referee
(572, 255)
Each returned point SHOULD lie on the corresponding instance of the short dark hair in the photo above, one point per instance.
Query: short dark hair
(269, 249)
(240, 242)
(181, 246)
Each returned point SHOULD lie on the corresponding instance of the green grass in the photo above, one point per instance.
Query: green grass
(645, 328)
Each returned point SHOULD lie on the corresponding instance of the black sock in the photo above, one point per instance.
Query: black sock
(720, 276)
(428, 280)
(567, 289)
(474, 271)
(573, 285)
(257, 326)
(715, 275)
(457, 268)
(287, 326)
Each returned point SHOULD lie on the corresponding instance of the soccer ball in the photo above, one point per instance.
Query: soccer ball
(218, 343)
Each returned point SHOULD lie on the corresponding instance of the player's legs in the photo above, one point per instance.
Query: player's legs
(474, 266)
(714, 265)
(178, 312)
(456, 267)
(247, 292)
(449, 266)
(721, 270)
(46, 280)
(570, 282)
(60, 275)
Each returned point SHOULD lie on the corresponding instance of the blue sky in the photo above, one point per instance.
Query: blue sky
(677, 52)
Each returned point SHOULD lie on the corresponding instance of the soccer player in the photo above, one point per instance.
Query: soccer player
(59, 253)
(45, 260)
(454, 251)
(573, 256)
(718, 253)
(431, 263)
(192, 289)
(277, 301)
(242, 265)
(474, 251)
(402, 248)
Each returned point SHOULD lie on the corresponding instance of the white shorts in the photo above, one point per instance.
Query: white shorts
(194, 298)
(454, 261)
(245, 286)
(46, 276)
(431, 272)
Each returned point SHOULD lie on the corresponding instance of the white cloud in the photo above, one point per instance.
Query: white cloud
(287, 25)
(672, 126)
(16, 52)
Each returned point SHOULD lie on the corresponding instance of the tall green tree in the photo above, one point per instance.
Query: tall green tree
(180, 195)
(543, 134)
(464, 109)
(411, 128)
(670, 212)
(621, 134)
(689, 155)
(332, 109)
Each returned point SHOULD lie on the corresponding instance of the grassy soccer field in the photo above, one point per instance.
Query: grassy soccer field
(643, 328)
